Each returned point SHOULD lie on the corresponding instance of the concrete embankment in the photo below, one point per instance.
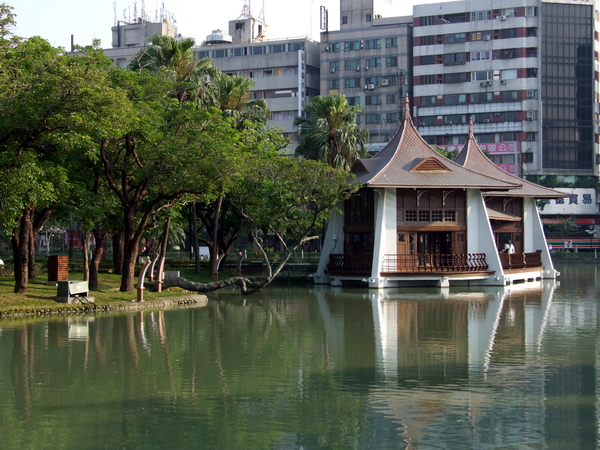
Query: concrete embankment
(87, 308)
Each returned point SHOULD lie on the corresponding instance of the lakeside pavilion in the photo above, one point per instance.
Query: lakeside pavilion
(422, 219)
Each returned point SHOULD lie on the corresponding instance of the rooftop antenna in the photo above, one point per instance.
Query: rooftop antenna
(135, 14)
(115, 12)
(246, 11)
(261, 15)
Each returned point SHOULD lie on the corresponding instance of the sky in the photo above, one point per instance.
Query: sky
(57, 20)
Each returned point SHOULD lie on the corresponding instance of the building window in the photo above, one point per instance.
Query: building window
(531, 137)
(532, 72)
(373, 100)
(481, 56)
(334, 84)
(368, 17)
(427, 40)
(428, 100)
(449, 216)
(352, 64)
(372, 62)
(508, 33)
(482, 118)
(427, 79)
(511, 116)
(391, 117)
(454, 99)
(510, 12)
(510, 96)
(455, 58)
(427, 60)
(481, 15)
(455, 119)
(353, 100)
(456, 77)
(344, 20)
(424, 216)
(391, 42)
(509, 74)
(527, 157)
(454, 38)
(531, 32)
(391, 99)
(334, 47)
(373, 44)
(508, 53)
(532, 94)
(352, 82)
(509, 137)
(532, 52)
(531, 11)
(391, 61)
(481, 97)
(334, 66)
(428, 20)
(410, 215)
(372, 118)
(482, 75)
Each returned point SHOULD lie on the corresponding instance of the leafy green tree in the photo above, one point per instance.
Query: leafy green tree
(286, 198)
(51, 103)
(330, 133)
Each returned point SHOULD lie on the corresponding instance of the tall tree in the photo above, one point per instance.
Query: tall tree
(330, 133)
(176, 60)
(50, 104)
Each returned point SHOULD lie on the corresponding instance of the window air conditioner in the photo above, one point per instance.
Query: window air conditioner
(502, 17)
(378, 121)
(357, 68)
(332, 70)
(366, 86)
(502, 81)
(422, 124)
(487, 37)
(385, 82)
(448, 122)
(482, 84)
(486, 120)
(371, 86)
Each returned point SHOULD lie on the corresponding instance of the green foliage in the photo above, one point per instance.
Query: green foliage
(450, 154)
(330, 133)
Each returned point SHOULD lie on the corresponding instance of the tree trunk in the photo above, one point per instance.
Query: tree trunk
(32, 272)
(22, 251)
(100, 238)
(163, 254)
(85, 247)
(195, 243)
(118, 251)
(214, 247)
(131, 241)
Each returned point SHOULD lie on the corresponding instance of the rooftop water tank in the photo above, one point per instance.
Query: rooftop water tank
(218, 37)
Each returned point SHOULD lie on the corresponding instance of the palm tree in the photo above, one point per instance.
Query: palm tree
(330, 133)
(176, 58)
(231, 94)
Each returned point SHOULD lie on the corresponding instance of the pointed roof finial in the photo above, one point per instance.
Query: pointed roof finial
(471, 132)
(406, 108)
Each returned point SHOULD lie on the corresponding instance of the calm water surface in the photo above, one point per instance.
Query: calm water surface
(316, 368)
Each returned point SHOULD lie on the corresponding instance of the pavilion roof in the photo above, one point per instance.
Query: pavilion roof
(408, 161)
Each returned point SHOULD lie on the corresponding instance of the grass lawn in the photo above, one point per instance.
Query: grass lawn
(41, 295)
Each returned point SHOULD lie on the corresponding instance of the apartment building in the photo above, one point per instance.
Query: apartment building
(368, 60)
(524, 71)
(285, 71)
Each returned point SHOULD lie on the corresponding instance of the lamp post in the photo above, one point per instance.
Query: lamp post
(591, 233)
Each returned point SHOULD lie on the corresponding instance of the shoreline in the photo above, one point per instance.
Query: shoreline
(64, 309)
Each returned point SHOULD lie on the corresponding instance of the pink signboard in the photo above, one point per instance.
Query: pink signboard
(497, 150)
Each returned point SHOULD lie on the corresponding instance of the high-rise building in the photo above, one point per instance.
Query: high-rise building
(526, 73)
(368, 60)
(285, 71)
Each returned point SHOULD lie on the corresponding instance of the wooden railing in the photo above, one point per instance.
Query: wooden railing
(470, 262)
(521, 260)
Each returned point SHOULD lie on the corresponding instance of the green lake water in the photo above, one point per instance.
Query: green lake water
(315, 368)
